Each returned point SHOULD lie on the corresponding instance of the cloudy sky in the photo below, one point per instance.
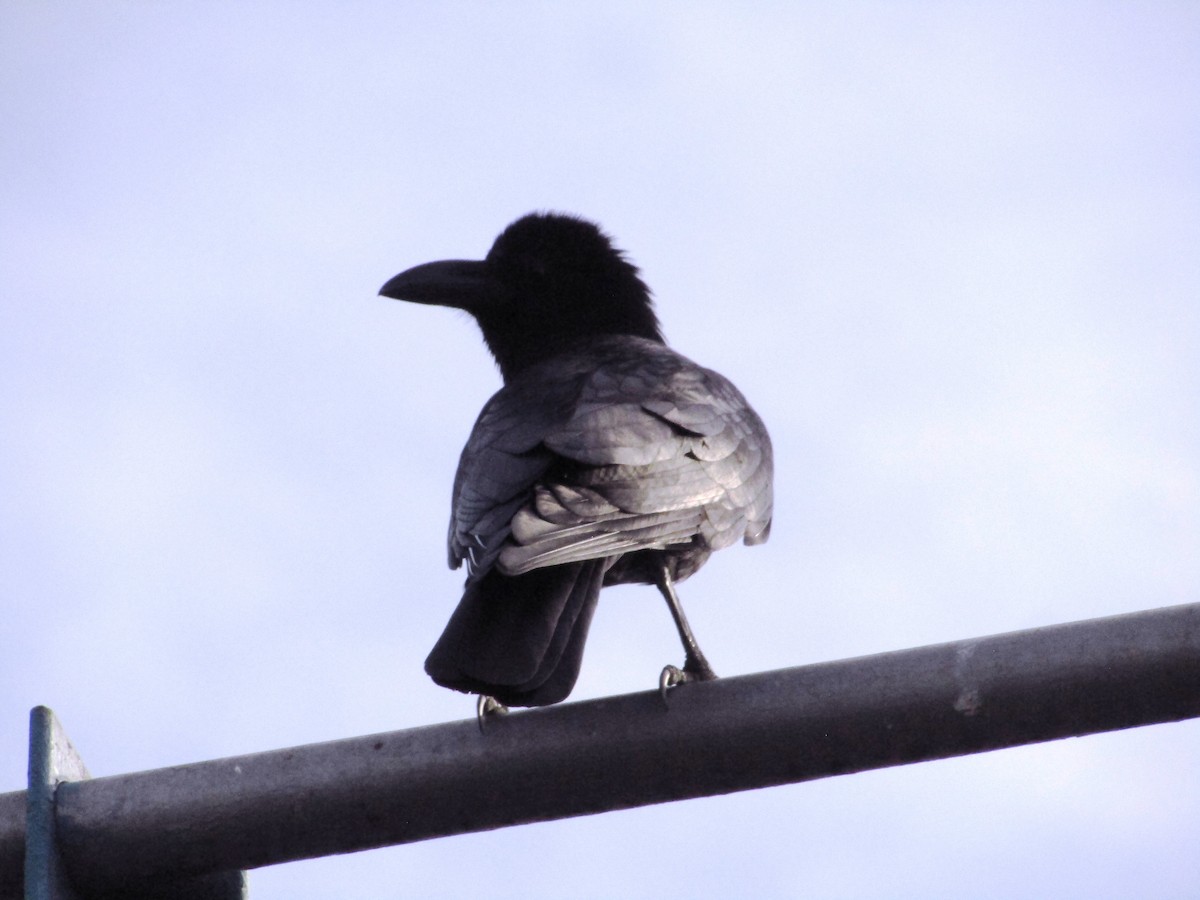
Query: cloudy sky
(949, 251)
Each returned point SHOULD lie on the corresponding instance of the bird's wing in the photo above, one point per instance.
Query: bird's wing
(501, 462)
(656, 452)
(627, 446)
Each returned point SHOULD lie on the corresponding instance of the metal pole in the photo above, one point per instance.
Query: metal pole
(715, 737)
(12, 845)
(52, 761)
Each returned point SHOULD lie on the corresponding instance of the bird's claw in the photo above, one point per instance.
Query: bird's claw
(673, 675)
(488, 706)
(670, 676)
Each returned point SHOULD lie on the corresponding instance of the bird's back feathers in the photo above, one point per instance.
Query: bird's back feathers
(618, 446)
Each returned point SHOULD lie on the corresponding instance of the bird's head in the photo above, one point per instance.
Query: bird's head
(548, 281)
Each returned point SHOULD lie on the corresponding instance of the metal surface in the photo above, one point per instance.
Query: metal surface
(52, 760)
(715, 737)
(12, 845)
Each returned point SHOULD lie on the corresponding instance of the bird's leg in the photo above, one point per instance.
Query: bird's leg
(488, 706)
(695, 666)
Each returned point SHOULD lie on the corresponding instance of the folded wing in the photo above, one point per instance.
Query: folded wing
(638, 449)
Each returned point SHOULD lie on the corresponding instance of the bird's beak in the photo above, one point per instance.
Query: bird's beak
(461, 283)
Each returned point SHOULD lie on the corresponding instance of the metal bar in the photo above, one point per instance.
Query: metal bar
(12, 845)
(53, 760)
(716, 737)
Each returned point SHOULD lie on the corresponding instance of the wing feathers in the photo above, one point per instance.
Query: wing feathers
(638, 449)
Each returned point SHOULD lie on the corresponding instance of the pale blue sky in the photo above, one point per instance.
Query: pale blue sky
(949, 251)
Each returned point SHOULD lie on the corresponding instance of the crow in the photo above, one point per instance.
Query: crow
(605, 458)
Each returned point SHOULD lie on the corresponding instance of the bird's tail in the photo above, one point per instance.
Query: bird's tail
(520, 638)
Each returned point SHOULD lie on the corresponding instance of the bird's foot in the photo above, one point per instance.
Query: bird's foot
(670, 676)
(693, 670)
(488, 706)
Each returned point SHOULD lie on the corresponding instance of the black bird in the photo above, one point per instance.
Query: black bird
(606, 458)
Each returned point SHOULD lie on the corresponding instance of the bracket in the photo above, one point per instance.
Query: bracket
(53, 760)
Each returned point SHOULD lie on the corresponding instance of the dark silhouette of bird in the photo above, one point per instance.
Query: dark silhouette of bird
(606, 458)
